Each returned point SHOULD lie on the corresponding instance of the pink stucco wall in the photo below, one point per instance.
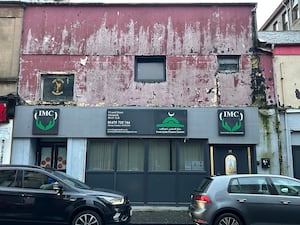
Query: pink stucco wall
(98, 44)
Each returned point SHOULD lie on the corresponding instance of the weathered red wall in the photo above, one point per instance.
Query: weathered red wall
(266, 68)
(60, 38)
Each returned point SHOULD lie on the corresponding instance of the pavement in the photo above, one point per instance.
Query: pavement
(160, 215)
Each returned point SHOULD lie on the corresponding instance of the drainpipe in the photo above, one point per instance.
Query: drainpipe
(288, 146)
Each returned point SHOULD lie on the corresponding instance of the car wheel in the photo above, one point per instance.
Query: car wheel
(228, 219)
(87, 218)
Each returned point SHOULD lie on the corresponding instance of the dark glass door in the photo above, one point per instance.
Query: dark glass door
(231, 159)
(296, 160)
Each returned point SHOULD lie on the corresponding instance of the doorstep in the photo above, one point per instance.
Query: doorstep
(160, 215)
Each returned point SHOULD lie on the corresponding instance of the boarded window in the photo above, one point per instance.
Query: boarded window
(57, 87)
(228, 64)
(150, 68)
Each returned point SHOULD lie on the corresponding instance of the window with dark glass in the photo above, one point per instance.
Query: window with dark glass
(153, 155)
(285, 21)
(286, 186)
(162, 155)
(191, 155)
(275, 26)
(8, 178)
(57, 87)
(150, 68)
(130, 155)
(36, 180)
(228, 63)
(295, 12)
(100, 155)
(249, 185)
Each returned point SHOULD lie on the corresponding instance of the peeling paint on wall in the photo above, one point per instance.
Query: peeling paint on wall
(98, 45)
(257, 83)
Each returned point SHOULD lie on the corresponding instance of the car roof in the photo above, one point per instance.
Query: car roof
(19, 166)
(226, 177)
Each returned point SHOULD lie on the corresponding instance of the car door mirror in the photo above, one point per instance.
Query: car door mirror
(284, 190)
(58, 188)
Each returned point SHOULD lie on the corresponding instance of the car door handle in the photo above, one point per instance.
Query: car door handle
(241, 200)
(285, 202)
(26, 195)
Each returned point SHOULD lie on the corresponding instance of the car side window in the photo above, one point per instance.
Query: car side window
(249, 185)
(36, 180)
(285, 186)
(8, 178)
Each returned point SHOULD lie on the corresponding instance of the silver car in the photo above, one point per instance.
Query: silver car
(251, 199)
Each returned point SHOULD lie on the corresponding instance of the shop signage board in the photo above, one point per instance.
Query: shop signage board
(231, 122)
(157, 122)
(45, 121)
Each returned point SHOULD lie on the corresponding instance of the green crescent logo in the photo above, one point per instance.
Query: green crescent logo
(170, 121)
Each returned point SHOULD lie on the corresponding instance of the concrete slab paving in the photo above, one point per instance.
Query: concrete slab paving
(160, 215)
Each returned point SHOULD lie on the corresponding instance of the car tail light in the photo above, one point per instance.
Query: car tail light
(202, 198)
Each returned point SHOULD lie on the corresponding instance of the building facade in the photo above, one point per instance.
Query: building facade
(285, 48)
(285, 18)
(11, 17)
(145, 98)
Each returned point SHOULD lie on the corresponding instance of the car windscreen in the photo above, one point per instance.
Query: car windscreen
(70, 180)
(204, 185)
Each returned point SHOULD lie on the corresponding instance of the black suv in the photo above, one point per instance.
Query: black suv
(36, 195)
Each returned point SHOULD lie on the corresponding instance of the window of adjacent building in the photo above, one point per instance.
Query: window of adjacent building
(228, 63)
(285, 21)
(57, 87)
(130, 155)
(295, 12)
(191, 155)
(275, 26)
(150, 68)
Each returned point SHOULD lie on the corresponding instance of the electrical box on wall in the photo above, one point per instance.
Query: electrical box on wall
(265, 163)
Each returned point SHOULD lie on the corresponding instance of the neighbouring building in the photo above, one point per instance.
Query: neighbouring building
(11, 18)
(285, 18)
(285, 48)
(144, 98)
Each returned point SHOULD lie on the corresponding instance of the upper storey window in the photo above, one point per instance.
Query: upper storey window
(285, 21)
(57, 87)
(228, 63)
(295, 11)
(275, 26)
(150, 68)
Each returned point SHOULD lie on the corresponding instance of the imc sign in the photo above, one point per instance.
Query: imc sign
(146, 122)
(45, 121)
(231, 122)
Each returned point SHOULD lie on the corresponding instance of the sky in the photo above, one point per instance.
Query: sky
(264, 7)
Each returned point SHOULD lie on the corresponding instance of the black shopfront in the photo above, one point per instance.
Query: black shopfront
(155, 155)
